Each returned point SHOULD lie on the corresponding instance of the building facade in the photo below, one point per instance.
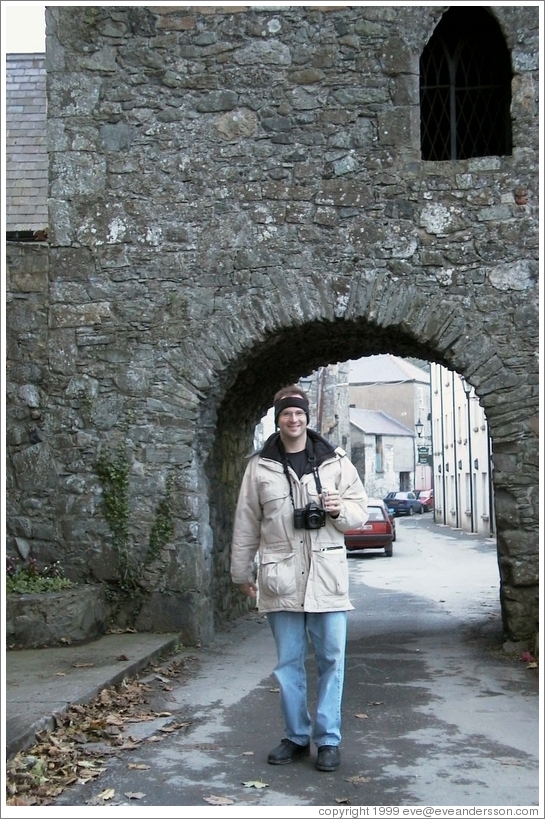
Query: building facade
(462, 455)
(382, 451)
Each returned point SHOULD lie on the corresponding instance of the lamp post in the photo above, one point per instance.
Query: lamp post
(467, 390)
(419, 426)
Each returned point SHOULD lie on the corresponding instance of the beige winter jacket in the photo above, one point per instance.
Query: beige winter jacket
(297, 569)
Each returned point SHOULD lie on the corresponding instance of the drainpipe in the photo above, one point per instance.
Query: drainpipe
(321, 397)
(455, 449)
(443, 448)
(491, 512)
(432, 464)
(467, 390)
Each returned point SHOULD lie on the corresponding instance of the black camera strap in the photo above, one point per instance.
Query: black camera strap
(313, 465)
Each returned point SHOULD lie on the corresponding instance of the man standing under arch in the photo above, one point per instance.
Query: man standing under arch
(298, 496)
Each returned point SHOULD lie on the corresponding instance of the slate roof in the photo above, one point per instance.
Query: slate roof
(26, 143)
(385, 369)
(374, 422)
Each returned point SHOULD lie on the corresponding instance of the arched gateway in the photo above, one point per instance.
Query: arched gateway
(237, 196)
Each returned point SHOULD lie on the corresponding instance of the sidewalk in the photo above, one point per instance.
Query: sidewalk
(42, 682)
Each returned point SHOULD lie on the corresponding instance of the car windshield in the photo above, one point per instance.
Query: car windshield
(375, 513)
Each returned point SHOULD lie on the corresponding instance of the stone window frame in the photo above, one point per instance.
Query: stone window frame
(465, 88)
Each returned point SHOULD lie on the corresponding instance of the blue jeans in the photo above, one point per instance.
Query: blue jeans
(291, 631)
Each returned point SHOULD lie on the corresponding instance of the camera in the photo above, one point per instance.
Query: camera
(310, 517)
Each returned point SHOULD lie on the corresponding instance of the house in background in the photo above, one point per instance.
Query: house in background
(390, 384)
(400, 390)
(382, 451)
(26, 148)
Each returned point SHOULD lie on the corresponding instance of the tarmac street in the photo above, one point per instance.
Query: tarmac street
(436, 710)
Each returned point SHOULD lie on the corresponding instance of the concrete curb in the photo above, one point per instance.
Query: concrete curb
(32, 704)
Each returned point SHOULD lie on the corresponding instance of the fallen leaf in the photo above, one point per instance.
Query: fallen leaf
(131, 795)
(247, 753)
(342, 800)
(175, 726)
(60, 674)
(139, 766)
(532, 665)
(163, 713)
(361, 716)
(140, 718)
(358, 779)
(113, 719)
(274, 690)
(83, 665)
(218, 800)
(255, 783)
(109, 793)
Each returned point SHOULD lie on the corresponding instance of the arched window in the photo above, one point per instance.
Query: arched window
(465, 88)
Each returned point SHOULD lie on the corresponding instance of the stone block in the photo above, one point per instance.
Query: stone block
(73, 615)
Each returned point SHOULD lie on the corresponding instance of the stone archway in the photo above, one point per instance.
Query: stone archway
(236, 197)
(299, 350)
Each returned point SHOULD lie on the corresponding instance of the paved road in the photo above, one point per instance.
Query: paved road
(435, 711)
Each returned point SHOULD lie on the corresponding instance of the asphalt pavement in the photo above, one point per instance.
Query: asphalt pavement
(438, 710)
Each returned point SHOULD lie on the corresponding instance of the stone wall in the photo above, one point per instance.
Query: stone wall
(75, 615)
(236, 198)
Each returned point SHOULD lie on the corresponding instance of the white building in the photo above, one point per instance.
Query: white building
(460, 441)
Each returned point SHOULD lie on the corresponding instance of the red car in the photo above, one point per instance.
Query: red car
(425, 496)
(377, 533)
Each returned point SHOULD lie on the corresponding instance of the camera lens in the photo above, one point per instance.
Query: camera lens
(315, 517)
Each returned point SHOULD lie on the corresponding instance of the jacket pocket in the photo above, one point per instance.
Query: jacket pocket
(278, 574)
(331, 571)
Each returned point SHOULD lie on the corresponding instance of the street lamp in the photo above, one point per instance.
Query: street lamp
(420, 450)
(467, 389)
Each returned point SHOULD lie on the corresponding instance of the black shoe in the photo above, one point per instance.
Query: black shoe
(329, 758)
(287, 751)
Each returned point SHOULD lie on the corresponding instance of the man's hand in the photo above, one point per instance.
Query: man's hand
(249, 589)
(331, 501)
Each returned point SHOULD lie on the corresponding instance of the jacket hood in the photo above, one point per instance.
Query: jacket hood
(322, 448)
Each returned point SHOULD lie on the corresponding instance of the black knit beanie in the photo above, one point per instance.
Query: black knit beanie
(291, 401)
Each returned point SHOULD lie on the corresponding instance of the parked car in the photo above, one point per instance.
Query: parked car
(378, 532)
(425, 496)
(403, 503)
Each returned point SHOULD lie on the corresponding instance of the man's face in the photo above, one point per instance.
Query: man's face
(292, 423)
